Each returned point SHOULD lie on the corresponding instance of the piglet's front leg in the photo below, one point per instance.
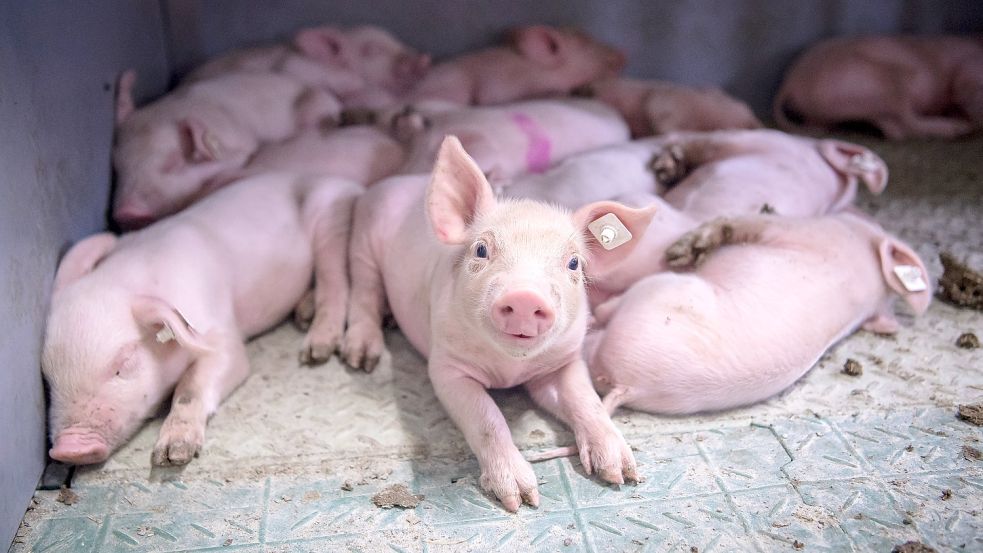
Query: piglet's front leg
(569, 395)
(504, 472)
(209, 379)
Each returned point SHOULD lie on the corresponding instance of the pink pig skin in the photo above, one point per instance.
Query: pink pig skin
(907, 86)
(167, 150)
(492, 292)
(538, 61)
(657, 107)
(362, 66)
(227, 268)
(754, 317)
(361, 154)
(509, 140)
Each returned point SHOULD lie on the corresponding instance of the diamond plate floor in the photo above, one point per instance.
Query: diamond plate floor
(835, 463)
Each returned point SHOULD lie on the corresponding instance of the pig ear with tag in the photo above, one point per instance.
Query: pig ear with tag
(166, 324)
(905, 273)
(82, 258)
(199, 145)
(612, 231)
(857, 161)
(324, 44)
(457, 194)
(540, 44)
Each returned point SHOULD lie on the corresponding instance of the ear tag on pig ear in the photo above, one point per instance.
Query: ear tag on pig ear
(609, 231)
(165, 334)
(911, 277)
(864, 162)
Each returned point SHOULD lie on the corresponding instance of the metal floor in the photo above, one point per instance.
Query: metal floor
(837, 462)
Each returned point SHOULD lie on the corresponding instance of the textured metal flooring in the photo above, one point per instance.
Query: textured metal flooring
(835, 463)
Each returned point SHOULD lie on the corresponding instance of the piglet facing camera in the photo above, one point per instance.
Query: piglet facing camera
(495, 298)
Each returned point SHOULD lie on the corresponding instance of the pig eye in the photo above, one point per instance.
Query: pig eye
(481, 250)
(574, 263)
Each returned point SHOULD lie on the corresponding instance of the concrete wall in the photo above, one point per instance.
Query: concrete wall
(58, 63)
(742, 45)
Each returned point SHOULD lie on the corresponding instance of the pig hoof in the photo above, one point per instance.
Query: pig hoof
(692, 248)
(668, 165)
(361, 348)
(304, 312)
(609, 457)
(316, 354)
(512, 481)
(179, 442)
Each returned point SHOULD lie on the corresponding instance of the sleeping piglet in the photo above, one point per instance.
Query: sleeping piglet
(492, 293)
(536, 61)
(659, 107)
(906, 86)
(168, 307)
(771, 296)
(167, 150)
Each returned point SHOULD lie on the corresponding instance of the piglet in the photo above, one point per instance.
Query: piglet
(659, 107)
(906, 86)
(167, 308)
(771, 295)
(492, 293)
(166, 151)
(511, 139)
(361, 154)
(362, 66)
(536, 61)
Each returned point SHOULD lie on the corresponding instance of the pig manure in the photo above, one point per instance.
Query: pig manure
(946, 494)
(973, 414)
(852, 367)
(67, 496)
(968, 340)
(396, 495)
(970, 453)
(913, 547)
(960, 285)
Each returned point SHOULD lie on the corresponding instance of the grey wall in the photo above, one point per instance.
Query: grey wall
(742, 45)
(58, 61)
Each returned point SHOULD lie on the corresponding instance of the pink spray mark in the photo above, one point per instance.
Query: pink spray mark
(539, 150)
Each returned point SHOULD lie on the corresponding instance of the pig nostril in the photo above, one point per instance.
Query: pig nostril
(540, 314)
(507, 310)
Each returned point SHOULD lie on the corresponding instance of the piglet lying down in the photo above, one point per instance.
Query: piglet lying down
(492, 292)
(167, 308)
(772, 296)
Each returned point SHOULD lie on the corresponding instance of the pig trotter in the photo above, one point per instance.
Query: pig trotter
(362, 346)
(693, 247)
(512, 480)
(304, 312)
(606, 454)
(669, 165)
(179, 441)
(320, 343)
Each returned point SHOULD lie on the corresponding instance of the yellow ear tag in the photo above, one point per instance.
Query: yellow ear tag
(911, 277)
(609, 231)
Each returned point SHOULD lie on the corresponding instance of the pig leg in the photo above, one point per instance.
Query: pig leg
(209, 379)
(304, 311)
(569, 395)
(330, 216)
(504, 472)
(681, 154)
(695, 246)
(317, 108)
(363, 341)
(908, 124)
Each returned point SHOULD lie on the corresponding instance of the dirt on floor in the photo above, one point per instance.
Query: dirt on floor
(960, 285)
(397, 495)
(852, 367)
(968, 340)
(972, 414)
(67, 496)
(913, 547)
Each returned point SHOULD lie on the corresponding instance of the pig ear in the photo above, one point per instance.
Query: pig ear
(124, 95)
(540, 44)
(199, 144)
(82, 258)
(599, 259)
(164, 323)
(915, 288)
(857, 161)
(457, 194)
(321, 43)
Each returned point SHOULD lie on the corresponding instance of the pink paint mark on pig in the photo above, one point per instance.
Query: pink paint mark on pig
(538, 153)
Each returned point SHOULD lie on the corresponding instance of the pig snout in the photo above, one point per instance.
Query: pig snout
(522, 314)
(79, 446)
